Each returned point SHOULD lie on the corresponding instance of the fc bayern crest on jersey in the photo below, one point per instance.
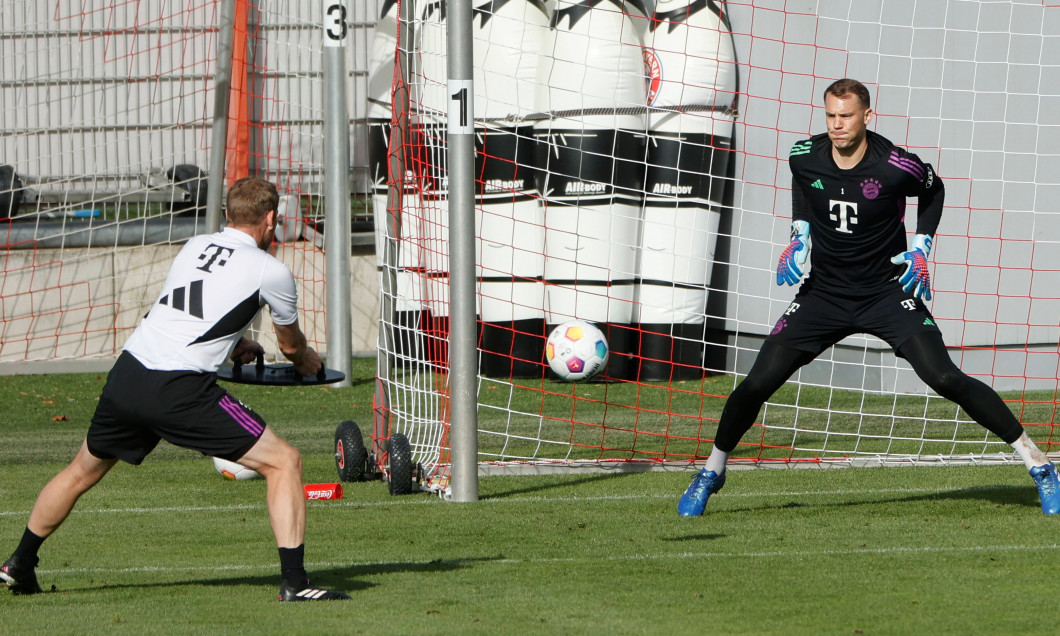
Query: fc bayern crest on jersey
(870, 188)
(653, 74)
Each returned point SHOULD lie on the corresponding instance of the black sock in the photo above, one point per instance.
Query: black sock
(292, 567)
(28, 547)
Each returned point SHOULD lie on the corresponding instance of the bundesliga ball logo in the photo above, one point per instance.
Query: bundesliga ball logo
(576, 350)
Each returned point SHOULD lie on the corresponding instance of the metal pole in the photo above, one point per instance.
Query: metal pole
(256, 82)
(337, 190)
(463, 346)
(222, 86)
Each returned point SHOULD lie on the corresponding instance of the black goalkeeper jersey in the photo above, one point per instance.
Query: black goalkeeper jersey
(857, 216)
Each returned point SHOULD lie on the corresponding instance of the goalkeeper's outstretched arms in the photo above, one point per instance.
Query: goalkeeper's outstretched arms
(793, 258)
(916, 279)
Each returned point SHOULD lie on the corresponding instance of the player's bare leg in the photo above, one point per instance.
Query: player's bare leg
(53, 505)
(58, 497)
(281, 466)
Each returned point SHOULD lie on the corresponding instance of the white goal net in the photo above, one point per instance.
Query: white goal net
(631, 171)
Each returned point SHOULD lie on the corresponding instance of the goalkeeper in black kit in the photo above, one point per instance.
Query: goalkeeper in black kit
(849, 190)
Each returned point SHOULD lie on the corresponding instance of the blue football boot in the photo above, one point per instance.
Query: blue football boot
(704, 484)
(1048, 487)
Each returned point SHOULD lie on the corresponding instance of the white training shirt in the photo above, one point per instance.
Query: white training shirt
(216, 285)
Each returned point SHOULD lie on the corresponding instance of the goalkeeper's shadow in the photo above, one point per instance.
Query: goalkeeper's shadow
(997, 495)
(543, 483)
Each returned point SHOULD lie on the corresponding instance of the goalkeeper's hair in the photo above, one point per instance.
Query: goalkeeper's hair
(847, 86)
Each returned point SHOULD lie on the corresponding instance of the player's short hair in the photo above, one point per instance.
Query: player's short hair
(846, 86)
(249, 200)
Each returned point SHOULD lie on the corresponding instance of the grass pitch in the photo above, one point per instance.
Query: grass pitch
(170, 547)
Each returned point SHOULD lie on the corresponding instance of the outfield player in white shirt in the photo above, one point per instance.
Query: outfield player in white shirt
(164, 385)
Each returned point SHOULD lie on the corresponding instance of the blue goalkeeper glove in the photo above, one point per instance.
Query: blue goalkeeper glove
(916, 280)
(789, 268)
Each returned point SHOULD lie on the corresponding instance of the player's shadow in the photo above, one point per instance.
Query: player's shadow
(998, 495)
(361, 381)
(565, 483)
(349, 579)
(695, 537)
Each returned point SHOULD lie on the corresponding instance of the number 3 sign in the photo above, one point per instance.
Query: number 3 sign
(335, 26)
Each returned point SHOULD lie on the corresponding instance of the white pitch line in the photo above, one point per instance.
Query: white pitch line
(504, 500)
(496, 500)
(787, 554)
(776, 554)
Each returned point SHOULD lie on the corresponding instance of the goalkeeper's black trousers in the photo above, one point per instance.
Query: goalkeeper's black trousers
(925, 352)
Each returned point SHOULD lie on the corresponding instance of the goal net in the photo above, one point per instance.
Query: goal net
(109, 116)
(631, 171)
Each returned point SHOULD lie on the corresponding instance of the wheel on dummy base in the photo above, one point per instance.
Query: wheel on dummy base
(194, 181)
(12, 191)
(399, 454)
(351, 456)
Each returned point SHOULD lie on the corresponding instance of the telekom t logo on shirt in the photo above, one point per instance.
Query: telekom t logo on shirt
(214, 254)
(844, 213)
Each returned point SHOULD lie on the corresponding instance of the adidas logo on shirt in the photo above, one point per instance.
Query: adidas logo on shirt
(187, 299)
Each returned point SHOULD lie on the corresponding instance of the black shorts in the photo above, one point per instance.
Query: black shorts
(139, 406)
(815, 321)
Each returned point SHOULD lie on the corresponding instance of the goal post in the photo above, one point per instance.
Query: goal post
(463, 341)
(222, 82)
(335, 38)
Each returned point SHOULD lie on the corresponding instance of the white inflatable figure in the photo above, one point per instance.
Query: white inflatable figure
(692, 85)
(510, 222)
(590, 159)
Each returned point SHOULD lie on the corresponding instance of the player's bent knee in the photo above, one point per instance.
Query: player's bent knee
(293, 459)
(281, 459)
(753, 389)
(272, 455)
(949, 384)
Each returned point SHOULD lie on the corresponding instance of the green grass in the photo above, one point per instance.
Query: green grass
(170, 547)
(656, 421)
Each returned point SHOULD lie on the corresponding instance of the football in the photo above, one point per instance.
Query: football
(234, 471)
(576, 350)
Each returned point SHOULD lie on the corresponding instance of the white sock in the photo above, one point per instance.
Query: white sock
(1031, 455)
(716, 461)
